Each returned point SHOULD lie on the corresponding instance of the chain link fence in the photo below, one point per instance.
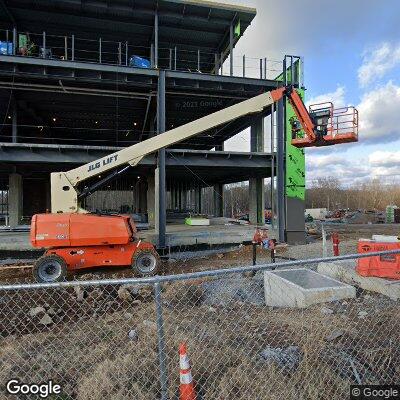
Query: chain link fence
(119, 339)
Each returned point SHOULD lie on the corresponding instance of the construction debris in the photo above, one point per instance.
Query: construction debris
(335, 334)
(287, 359)
(36, 311)
(46, 320)
(133, 335)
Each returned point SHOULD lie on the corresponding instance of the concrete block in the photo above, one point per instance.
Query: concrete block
(301, 288)
(345, 271)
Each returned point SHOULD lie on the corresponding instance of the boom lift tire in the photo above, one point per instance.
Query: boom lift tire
(146, 262)
(49, 269)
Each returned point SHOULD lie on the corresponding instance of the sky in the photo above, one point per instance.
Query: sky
(351, 53)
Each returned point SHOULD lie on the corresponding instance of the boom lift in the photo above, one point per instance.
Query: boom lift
(76, 239)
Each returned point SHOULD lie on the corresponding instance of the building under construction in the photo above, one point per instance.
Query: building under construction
(81, 79)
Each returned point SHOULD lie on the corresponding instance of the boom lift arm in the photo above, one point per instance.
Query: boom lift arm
(65, 193)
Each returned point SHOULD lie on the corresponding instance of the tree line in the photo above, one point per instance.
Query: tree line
(326, 193)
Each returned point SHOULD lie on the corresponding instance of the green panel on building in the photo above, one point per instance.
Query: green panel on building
(295, 159)
(238, 29)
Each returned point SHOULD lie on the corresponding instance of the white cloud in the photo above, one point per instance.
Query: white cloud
(384, 164)
(387, 159)
(379, 114)
(317, 162)
(346, 173)
(336, 166)
(337, 98)
(377, 62)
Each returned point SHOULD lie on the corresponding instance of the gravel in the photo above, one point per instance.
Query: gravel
(314, 250)
(234, 289)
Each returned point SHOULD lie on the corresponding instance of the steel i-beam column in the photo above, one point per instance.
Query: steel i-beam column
(218, 191)
(280, 121)
(218, 199)
(156, 40)
(199, 199)
(231, 48)
(256, 185)
(273, 166)
(160, 173)
(14, 120)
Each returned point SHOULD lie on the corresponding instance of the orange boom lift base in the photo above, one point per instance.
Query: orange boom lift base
(80, 241)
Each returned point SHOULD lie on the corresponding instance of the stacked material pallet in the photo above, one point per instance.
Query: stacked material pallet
(390, 214)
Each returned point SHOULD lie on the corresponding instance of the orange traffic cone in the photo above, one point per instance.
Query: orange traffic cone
(186, 387)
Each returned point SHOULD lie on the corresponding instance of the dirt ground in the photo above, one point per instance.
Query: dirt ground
(357, 231)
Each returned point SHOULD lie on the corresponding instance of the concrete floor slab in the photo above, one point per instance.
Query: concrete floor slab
(177, 235)
(345, 271)
(300, 288)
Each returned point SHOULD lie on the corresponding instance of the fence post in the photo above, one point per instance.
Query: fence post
(100, 51)
(161, 342)
(324, 249)
(198, 60)
(254, 247)
(119, 53)
(126, 53)
(244, 65)
(261, 68)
